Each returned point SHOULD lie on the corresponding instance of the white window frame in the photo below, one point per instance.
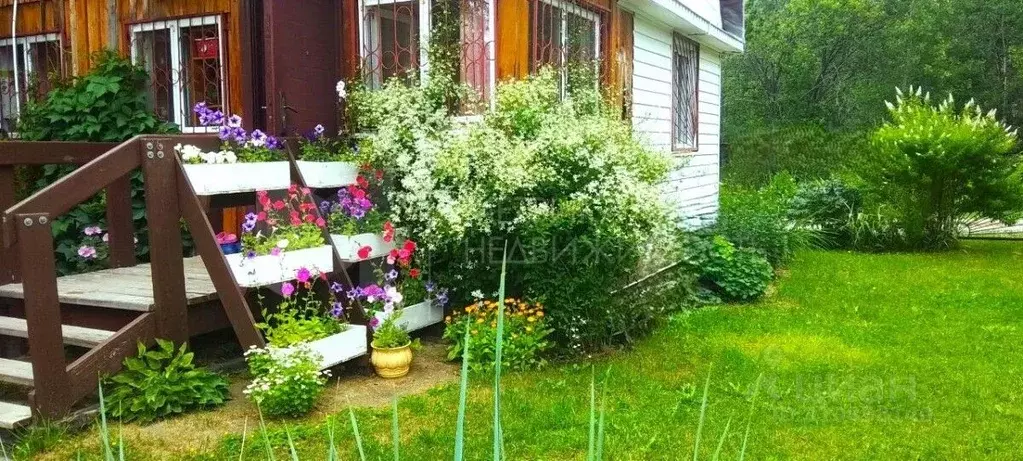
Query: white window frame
(425, 9)
(567, 7)
(29, 68)
(182, 117)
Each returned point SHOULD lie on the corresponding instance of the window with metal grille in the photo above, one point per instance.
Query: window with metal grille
(185, 60)
(395, 35)
(565, 36)
(685, 93)
(38, 59)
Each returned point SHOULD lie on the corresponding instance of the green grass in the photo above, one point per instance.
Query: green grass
(859, 357)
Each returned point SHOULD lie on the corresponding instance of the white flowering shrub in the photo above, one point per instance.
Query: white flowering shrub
(286, 381)
(563, 180)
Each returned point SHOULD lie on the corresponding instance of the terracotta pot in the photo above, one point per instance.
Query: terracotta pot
(391, 362)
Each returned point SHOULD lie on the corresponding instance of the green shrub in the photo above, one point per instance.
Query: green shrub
(830, 206)
(107, 104)
(562, 180)
(286, 382)
(935, 165)
(759, 219)
(737, 274)
(389, 334)
(525, 334)
(161, 382)
(807, 152)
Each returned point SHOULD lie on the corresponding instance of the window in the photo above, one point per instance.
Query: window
(390, 39)
(395, 33)
(565, 36)
(684, 103)
(185, 60)
(38, 56)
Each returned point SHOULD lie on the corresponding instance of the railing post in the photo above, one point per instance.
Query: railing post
(9, 267)
(120, 225)
(42, 314)
(165, 249)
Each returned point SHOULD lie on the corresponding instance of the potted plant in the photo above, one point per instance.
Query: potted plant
(392, 348)
(246, 162)
(301, 318)
(358, 229)
(326, 162)
(283, 237)
(229, 243)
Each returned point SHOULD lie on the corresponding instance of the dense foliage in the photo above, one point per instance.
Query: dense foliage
(937, 164)
(161, 382)
(107, 104)
(561, 179)
(759, 219)
(827, 64)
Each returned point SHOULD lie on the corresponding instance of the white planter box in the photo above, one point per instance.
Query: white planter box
(347, 246)
(418, 316)
(341, 347)
(229, 178)
(265, 270)
(328, 174)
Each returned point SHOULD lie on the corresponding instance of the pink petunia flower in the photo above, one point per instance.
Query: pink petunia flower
(287, 289)
(303, 275)
(92, 230)
(87, 252)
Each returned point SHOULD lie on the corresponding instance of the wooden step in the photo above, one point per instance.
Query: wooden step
(14, 415)
(16, 372)
(75, 336)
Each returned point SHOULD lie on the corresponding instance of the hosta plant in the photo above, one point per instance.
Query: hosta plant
(161, 382)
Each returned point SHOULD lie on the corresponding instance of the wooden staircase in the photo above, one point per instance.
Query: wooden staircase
(66, 358)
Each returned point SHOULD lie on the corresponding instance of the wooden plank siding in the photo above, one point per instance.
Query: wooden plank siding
(693, 184)
(84, 27)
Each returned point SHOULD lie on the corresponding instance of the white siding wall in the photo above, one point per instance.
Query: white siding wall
(709, 9)
(693, 185)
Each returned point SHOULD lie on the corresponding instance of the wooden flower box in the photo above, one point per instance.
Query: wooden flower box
(229, 178)
(328, 174)
(347, 246)
(270, 269)
(418, 316)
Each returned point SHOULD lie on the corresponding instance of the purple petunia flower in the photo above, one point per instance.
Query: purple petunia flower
(336, 287)
(374, 322)
(393, 274)
(442, 297)
(225, 133)
(234, 121)
(430, 286)
(338, 310)
(354, 293)
(248, 226)
(250, 254)
(257, 138)
(274, 143)
(318, 130)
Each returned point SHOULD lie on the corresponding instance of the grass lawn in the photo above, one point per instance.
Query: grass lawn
(861, 357)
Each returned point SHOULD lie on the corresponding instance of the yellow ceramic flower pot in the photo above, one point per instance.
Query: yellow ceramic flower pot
(392, 362)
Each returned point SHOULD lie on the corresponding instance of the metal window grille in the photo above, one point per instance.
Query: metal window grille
(395, 35)
(686, 73)
(185, 59)
(39, 62)
(567, 37)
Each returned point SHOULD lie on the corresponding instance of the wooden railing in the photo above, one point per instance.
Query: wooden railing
(27, 253)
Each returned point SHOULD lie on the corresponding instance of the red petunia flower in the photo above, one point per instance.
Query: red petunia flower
(379, 174)
(362, 182)
(261, 216)
(320, 222)
(388, 232)
(292, 189)
(409, 246)
(309, 218)
(279, 205)
(295, 221)
(414, 273)
(364, 252)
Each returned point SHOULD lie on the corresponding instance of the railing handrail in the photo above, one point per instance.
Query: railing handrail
(17, 153)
